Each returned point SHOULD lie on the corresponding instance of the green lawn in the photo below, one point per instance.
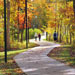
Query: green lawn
(11, 68)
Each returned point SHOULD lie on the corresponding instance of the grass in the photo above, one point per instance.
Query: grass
(63, 54)
(11, 68)
(18, 46)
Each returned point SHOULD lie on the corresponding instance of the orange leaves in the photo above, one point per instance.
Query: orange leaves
(24, 26)
(67, 11)
(62, 10)
(51, 24)
(1, 2)
(21, 18)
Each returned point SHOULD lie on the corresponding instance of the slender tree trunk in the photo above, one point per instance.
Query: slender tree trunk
(8, 24)
(74, 12)
(70, 38)
(73, 38)
(22, 31)
(18, 35)
(60, 31)
(18, 23)
(46, 35)
(12, 35)
(74, 7)
(28, 35)
(67, 35)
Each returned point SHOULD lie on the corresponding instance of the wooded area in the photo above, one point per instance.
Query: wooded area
(46, 15)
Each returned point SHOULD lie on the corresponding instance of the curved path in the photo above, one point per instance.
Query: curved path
(36, 62)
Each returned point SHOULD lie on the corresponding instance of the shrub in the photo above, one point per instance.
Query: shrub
(31, 33)
(17, 45)
(37, 31)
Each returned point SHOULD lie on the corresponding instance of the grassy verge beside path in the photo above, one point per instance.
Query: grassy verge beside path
(64, 54)
(11, 68)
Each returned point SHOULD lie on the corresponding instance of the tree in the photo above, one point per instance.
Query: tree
(74, 6)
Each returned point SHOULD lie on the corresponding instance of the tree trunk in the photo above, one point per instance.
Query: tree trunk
(8, 24)
(28, 35)
(67, 35)
(60, 31)
(18, 35)
(70, 38)
(46, 35)
(18, 22)
(74, 7)
(74, 38)
(13, 35)
(22, 35)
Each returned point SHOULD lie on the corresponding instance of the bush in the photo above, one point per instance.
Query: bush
(37, 31)
(33, 31)
(18, 45)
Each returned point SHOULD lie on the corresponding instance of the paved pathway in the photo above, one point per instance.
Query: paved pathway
(36, 62)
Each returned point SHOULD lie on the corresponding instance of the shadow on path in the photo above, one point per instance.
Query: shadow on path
(36, 62)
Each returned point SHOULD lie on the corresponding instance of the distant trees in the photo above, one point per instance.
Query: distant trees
(47, 15)
(61, 19)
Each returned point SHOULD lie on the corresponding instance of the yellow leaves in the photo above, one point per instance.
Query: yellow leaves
(29, 5)
(66, 21)
(70, 3)
(49, 30)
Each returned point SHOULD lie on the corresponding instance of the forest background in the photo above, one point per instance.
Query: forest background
(46, 15)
